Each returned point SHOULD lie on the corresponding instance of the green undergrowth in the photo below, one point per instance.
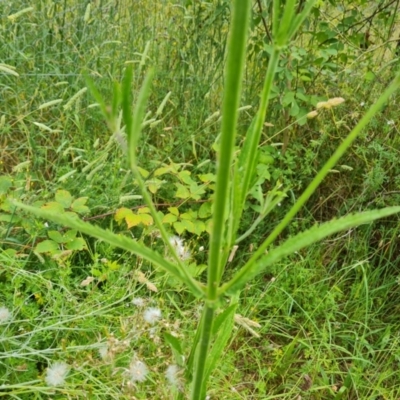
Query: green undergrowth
(322, 324)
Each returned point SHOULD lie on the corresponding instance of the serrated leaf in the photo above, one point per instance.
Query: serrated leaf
(146, 219)
(169, 219)
(5, 184)
(144, 210)
(162, 171)
(56, 236)
(301, 240)
(76, 244)
(207, 178)
(188, 225)
(205, 210)
(196, 191)
(64, 198)
(185, 177)
(113, 239)
(79, 206)
(182, 192)
(199, 227)
(53, 207)
(133, 220)
(189, 215)
(121, 214)
(47, 246)
(179, 227)
(173, 210)
(70, 234)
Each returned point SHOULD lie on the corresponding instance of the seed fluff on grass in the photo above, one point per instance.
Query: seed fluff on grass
(179, 247)
(137, 371)
(5, 314)
(57, 373)
(151, 315)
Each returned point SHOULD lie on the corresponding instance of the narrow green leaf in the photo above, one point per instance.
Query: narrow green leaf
(120, 241)
(303, 239)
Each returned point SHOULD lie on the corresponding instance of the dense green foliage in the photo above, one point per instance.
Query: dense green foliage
(321, 323)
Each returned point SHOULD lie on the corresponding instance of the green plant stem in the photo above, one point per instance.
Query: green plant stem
(233, 83)
(247, 159)
(133, 127)
(199, 384)
(315, 183)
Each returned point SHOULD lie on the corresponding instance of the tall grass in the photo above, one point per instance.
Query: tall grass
(232, 188)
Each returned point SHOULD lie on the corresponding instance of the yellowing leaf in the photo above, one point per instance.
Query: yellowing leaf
(146, 219)
(144, 210)
(133, 220)
(122, 213)
(54, 207)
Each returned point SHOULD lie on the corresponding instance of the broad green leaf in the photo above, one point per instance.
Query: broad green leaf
(56, 236)
(54, 207)
(303, 239)
(162, 171)
(190, 215)
(47, 246)
(173, 210)
(70, 234)
(182, 192)
(188, 225)
(169, 219)
(205, 210)
(76, 244)
(196, 191)
(5, 184)
(143, 172)
(79, 206)
(207, 178)
(179, 227)
(185, 177)
(64, 198)
(199, 227)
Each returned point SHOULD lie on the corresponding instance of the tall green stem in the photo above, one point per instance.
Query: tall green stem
(199, 384)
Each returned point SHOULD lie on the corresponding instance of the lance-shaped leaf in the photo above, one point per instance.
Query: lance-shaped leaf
(120, 241)
(313, 235)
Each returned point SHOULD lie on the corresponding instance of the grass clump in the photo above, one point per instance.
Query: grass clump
(150, 285)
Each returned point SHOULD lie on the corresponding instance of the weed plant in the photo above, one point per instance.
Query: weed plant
(320, 320)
